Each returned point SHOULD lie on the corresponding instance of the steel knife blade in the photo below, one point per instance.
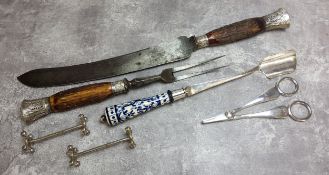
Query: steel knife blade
(176, 50)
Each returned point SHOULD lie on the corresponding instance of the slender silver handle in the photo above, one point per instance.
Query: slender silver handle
(279, 112)
(271, 94)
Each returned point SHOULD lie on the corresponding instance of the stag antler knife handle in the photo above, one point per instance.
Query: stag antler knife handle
(244, 29)
(72, 98)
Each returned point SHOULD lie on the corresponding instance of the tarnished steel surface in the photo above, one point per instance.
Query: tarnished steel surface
(164, 53)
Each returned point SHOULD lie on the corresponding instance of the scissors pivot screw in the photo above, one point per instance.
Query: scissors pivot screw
(73, 153)
(29, 141)
(229, 115)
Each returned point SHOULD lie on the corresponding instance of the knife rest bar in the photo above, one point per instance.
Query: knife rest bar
(80, 96)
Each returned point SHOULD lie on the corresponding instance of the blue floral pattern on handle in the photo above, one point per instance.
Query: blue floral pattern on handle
(119, 113)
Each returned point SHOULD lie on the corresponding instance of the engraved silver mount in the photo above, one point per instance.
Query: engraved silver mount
(32, 110)
(202, 41)
(277, 20)
(120, 87)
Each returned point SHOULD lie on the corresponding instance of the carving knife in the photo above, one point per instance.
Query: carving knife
(164, 53)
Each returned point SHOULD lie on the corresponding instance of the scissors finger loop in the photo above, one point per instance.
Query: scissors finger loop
(300, 119)
(282, 92)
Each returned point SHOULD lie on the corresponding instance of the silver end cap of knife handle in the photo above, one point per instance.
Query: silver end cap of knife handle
(277, 20)
(32, 110)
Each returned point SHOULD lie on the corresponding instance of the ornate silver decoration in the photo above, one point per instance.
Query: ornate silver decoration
(201, 41)
(34, 109)
(119, 87)
(277, 20)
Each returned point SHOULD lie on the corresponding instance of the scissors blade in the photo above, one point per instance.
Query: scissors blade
(219, 118)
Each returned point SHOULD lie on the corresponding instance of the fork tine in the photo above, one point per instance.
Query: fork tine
(182, 77)
(189, 66)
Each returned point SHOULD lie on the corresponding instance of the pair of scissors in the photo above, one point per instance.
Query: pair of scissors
(279, 112)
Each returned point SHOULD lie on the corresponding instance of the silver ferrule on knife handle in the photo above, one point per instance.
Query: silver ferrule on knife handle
(32, 110)
(201, 41)
(120, 87)
(277, 20)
